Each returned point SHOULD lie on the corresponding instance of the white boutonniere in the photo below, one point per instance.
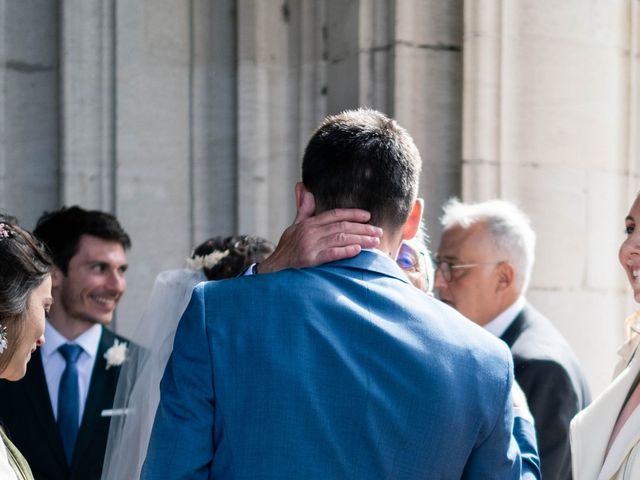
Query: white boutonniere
(117, 354)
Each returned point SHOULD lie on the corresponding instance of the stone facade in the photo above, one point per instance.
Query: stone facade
(188, 119)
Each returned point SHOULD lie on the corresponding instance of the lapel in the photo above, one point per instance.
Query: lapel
(591, 429)
(99, 397)
(518, 326)
(629, 434)
(35, 388)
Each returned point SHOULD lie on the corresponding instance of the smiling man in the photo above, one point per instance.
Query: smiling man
(483, 267)
(54, 414)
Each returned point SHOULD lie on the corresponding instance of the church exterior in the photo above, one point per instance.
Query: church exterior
(187, 119)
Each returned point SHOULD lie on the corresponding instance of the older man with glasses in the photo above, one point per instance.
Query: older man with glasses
(483, 267)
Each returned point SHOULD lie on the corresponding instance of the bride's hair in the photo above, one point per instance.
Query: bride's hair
(237, 253)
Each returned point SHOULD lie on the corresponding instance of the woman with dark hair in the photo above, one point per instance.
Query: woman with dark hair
(221, 257)
(138, 391)
(25, 299)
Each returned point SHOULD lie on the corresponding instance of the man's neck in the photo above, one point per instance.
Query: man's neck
(70, 328)
(505, 318)
(390, 244)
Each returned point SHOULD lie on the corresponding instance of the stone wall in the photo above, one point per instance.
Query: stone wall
(188, 119)
(550, 121)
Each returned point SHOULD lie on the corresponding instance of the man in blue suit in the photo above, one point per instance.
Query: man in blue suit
(344, 370)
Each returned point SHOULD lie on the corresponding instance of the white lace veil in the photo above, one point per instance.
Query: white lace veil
(138, 393)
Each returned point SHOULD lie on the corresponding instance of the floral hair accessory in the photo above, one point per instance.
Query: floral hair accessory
(117, 354)
(5, 231)
(3, 339)
(207, 261)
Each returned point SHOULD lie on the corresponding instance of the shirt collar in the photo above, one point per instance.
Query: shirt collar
(89, 340)
(499, 325)
(376, 251)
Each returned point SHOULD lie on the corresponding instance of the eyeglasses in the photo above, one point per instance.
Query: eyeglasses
(447, 267)
(408, 259)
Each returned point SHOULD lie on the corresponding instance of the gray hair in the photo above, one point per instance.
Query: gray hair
(509, 227)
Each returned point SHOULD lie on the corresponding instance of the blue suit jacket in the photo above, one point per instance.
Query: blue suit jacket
(340, 371)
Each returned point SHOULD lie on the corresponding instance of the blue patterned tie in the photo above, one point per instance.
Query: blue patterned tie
(69, 399)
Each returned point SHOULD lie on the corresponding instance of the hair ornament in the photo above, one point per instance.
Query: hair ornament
(3, 339)
(5, 231)
(207, 261)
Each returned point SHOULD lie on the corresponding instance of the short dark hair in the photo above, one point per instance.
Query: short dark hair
(239, 252)
(24, 264)
(61, 230)
(363, 159)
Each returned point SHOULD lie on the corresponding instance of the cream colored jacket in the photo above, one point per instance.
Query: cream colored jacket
(591, 429)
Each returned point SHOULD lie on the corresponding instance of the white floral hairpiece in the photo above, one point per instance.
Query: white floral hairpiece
(3, 338)
(207, 261)
(117, 354)
(5, 231)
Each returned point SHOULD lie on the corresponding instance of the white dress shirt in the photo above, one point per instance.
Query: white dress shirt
(499, 325)
(54, 363)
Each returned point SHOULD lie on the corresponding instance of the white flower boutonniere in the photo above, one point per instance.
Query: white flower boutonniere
(117, 354)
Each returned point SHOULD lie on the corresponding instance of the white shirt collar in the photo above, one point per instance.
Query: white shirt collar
(499, 325)
(89, 340)
(376, 251)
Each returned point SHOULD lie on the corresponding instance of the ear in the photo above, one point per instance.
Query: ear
(506, 276)
(56, 277)
(413, 222)
(300, 191)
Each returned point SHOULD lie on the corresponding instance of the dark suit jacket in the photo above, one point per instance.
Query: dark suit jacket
(25, 410)
(550, 376)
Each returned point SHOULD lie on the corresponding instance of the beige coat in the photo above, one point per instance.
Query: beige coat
(591, 429)
(16, 460)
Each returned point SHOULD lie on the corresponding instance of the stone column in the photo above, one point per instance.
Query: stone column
(154, 153)
(28, 108)
(88, 111)
(404, 58)
(213, 119)
(546, 105)
(427, 95)
(278, 98)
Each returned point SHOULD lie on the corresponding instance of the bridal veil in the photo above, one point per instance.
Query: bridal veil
(138, 392)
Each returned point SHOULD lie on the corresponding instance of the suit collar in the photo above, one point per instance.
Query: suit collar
(627, 438)
(630, 432)
(519, 325)
(499, 325)
(373, 261)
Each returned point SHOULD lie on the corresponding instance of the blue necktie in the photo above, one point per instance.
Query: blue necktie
(69, 399)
